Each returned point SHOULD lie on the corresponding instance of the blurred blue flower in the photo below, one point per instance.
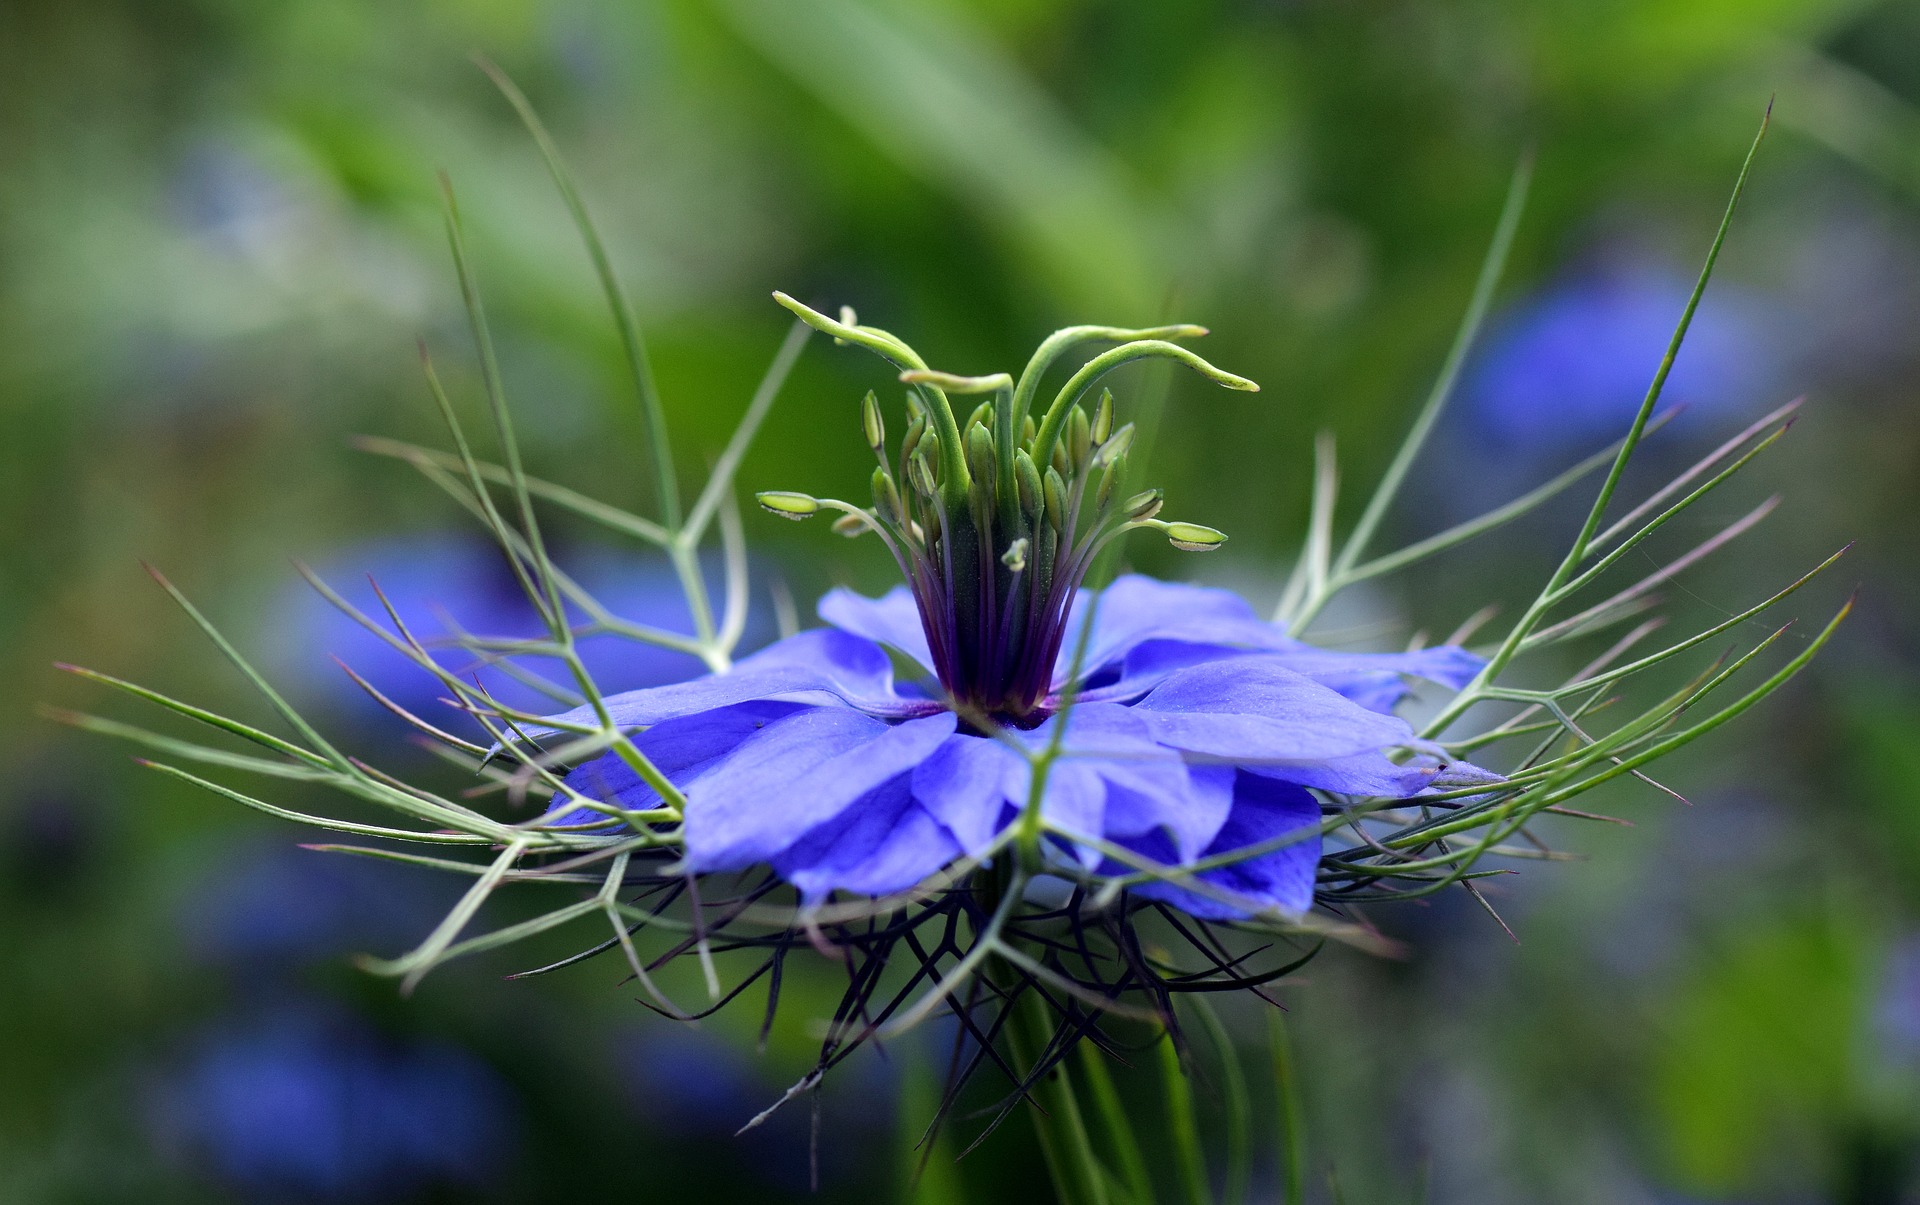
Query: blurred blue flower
(1197, 729)
(435, 577)
(223, 191)
(693, 1086)
(307, 1103)
(278, 909)
(1896, 1014)
(1566, 368)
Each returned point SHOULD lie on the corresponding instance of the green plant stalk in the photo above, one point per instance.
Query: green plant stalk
(1078, 1178)
(1510, 647)
(632, 342)
(1293, 1134)
(1491, 269)
(1134, 1179)
(1239, 1107)
(1181, 1124)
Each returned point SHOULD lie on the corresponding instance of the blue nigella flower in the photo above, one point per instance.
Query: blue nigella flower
(1566, 368)
(1197, 729)
(1194, 729)
(307, 1103)
(278, 910)
(440, 583)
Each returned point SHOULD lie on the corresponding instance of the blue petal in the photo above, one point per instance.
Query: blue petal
(1115, 780)
(1375, 680)
(794, 774)
(1145, 666)
(681, 749)
(1136, 609)
(853, 671)
(892, 619)
(1371, 774)
(1075, 805)
(1263, 810)
(1253, 710)
(968, 783)
(883, 842)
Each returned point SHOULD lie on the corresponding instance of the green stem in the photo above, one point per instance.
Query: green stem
(929, 1176)
(1239, 1108)
(1182, 1124)
(1113, 1115)
(1078, 1178)
(1293, 1136)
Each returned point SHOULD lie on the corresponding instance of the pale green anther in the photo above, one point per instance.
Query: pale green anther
(1056, 494)
(1103, 417)
(886, 496)
(980, 456)
(1191, 537)
(981, 417)
(1116, 447)
(915, 407)
(1027, 478)
(1059, 462)
(1143, 505)
(920, 475)
(1109, 477)
(916, 427)
(788, 505)
(1015, 557)
(1079, 437)
(875, 425)
(849, 526)
(1028, 431)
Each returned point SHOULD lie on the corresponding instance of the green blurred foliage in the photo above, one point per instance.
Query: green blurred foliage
(219, 240)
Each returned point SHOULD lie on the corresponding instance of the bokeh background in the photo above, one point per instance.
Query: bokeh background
(219, 240)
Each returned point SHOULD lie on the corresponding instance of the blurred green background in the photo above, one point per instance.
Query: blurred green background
(219, 240)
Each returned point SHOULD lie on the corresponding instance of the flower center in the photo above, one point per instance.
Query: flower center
(996, 521)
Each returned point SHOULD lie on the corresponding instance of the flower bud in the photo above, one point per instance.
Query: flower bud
(1103, 417)
(788, 505)
(886, 496)
(1143, 505)
(1191, 537)
(1056, 493)
(876, 427)
(1027, 479)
